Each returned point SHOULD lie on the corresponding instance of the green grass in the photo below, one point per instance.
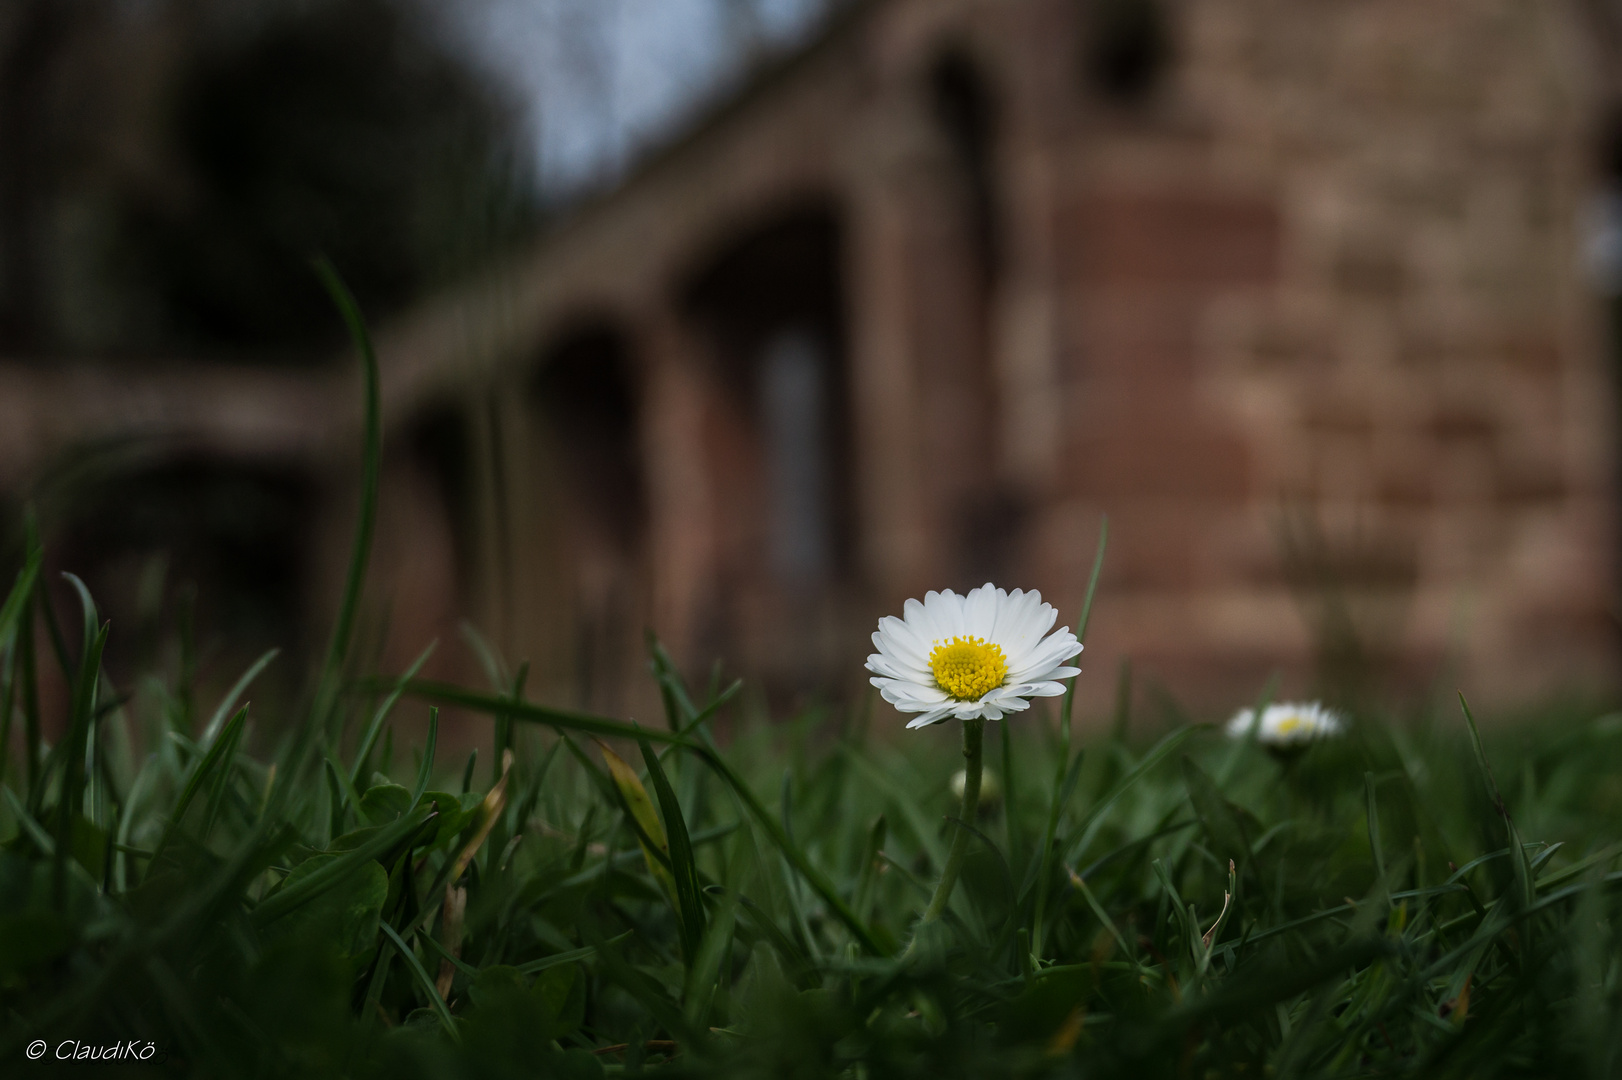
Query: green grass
(300, 896)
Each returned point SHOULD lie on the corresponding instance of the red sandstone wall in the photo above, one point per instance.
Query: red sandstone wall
(1320, 288)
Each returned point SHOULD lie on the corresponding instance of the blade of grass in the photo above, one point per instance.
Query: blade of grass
(1134, 845)
(129, 812)
(502, 726)
(8, 706)
(558, 959)
(1065, 707)
(222, 775)
(347, 797)
(1092, 578)
(633, 797)
(35, 831)
(1222, 825)
(1010, 795)
(1094, 818)
(1099, 913)
(381, 714)
(75, 744)
(22, 591)
(417, 972)
(1183, 913)
(366, 522)
(445, 954)
(335, 801)
(495, 672)
(502, 722)
(307, 888)
(490, 809)
(870, 860)
(1004, 872)
(1252, 736)
(717, 703)
(791, 851)
(29, 674)
(679, 708)
(560, 719)
(1063, 787)
(705, 969)
(683, 868)
(12, 615)
(764, 927)
(1522, 868)
(53, 634)
(374, 988)
(1373, 812)
(916, 818)
(238, 688)
(791, 887)
(200, 772)
(643, 987)
(426, 771)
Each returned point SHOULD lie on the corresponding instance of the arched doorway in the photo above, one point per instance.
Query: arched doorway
(585, 406)
(769, 308)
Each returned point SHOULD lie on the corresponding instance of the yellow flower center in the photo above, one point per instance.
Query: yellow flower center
(1289, 724)
(967, 667)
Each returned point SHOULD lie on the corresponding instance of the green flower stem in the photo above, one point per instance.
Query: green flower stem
(973, 737)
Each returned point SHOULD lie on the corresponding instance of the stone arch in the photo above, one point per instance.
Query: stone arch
(967, 110)
(1126, 48)
(767, 304)
(585, 389)
(583, 400)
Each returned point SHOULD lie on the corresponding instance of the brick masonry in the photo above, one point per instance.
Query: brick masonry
(1309, 309)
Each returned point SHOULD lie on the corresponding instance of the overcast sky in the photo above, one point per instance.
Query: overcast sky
(603, 80)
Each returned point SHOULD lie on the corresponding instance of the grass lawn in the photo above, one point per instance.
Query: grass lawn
(302, 896)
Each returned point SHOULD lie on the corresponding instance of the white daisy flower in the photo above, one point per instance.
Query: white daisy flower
(980, 655)
(1288, 724)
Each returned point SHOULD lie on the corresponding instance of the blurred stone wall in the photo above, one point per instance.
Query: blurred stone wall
(1293, 293)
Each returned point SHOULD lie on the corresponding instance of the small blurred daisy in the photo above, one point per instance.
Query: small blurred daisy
(990, 788)
(975, 656)
(1288, 725)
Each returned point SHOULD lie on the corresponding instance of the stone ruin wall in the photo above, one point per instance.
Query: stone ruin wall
(1307, 320)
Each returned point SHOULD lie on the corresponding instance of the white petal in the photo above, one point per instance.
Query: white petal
(1023, 625)
(1039, 689)
(902, 640)
(1054, 649)
(1015, 625)
(902, 700)
(899, 651)
(1005, 699)
(1242, 722)
(924, 622)
(880, 664)
(945, 612)
(896, 691)
(934, 716)
(1024, 622)
(981, 609)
